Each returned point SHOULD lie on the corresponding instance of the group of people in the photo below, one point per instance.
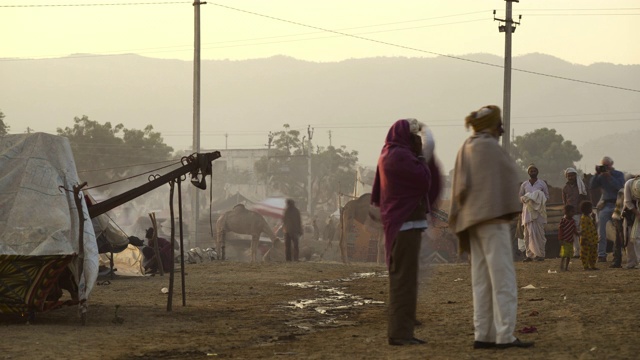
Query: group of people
(406, 187)
(581, 233)
(483, 206)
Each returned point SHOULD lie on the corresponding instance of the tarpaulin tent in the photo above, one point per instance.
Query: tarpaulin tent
(230, 202)
(39, 225)
(273, 207)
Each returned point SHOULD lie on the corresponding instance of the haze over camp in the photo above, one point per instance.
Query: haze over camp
(305, 179)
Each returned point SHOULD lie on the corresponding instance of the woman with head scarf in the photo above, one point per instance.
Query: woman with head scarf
(406, 186)
(483, 204)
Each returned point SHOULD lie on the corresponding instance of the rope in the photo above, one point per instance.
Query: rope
(131, 177)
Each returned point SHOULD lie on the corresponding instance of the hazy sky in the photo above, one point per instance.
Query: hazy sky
(579, 31)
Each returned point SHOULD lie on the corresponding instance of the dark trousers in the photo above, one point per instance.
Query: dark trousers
(403, 284)
(617, 248)
(289, 240)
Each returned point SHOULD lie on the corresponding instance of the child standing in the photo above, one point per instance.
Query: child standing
(588, 237)
(566, 232)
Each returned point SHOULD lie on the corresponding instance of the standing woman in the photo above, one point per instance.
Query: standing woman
(406, 186)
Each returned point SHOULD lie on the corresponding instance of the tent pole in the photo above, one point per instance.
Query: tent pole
(184, 299)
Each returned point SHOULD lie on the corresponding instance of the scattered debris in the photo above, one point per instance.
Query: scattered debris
(117, 319)
(528, 330)
(528, 287)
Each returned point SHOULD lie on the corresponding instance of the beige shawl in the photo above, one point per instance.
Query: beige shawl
(485, 186)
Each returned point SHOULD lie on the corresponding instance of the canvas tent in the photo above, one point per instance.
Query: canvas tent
(39, 225)
(273, 207)
(230, 202)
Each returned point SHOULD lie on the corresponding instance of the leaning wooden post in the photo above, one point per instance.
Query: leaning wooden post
(78, 200)
(343, 233)
(173, 234)
(184, 298)
(156, 249)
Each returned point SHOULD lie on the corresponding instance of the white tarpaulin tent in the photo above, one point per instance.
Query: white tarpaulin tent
(273, 207)
(39, 223)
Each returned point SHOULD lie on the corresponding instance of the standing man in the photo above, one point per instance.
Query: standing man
(619, 223)
(534, 194)
(573, 193)
(292, 230)
(482, 208)
(610, 181)
(406, 186)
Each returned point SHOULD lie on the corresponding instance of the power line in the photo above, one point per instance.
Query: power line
(176, 161)
(431, 124)
(95, 4)
(592, 9)
(357, 37)
(424, 51)
(581, 14)
(177, 48)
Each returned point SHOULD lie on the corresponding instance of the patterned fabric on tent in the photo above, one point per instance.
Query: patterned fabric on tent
(27, 282)
(40, 226)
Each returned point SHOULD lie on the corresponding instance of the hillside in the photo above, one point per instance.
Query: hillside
(349, 103)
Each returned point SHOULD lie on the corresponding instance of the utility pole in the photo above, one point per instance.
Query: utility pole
(508, 28)
(310, 133)
(195, 203)
(270, 137)
(329, 138)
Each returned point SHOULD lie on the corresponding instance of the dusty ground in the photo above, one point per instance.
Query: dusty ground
(247, 311)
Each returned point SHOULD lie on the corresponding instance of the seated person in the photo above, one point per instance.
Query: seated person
(164, 247)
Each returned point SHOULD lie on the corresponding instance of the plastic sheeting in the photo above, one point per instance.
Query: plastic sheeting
(37, 218)
(127, 263)
(273, 207)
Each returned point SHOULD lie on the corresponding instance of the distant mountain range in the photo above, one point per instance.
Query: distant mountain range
(357, 100)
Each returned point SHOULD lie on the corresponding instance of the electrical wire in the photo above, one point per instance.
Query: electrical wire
(176, 161)
(366, 39)
(94, 4)
(424, 51)
(129, 177)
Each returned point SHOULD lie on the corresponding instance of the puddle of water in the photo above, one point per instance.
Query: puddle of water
(333, 302)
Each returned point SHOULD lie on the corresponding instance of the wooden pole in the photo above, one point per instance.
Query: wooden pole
(184, 299)
(156, 249)
(77, 197)
(173, 234)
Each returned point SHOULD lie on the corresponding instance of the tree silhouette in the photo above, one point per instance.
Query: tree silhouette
(4, 128)
(549, 151)
(332, 169)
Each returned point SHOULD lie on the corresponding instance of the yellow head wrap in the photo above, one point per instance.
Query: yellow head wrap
(487, 117)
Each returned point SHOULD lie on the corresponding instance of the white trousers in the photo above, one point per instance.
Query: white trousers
(493, 280)
(534, 239)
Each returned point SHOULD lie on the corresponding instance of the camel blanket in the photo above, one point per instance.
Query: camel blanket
(485, 186)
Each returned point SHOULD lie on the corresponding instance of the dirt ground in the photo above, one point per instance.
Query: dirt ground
(327, 310)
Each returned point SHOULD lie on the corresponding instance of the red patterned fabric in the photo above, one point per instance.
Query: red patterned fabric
(567, 230)
(27, 281)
